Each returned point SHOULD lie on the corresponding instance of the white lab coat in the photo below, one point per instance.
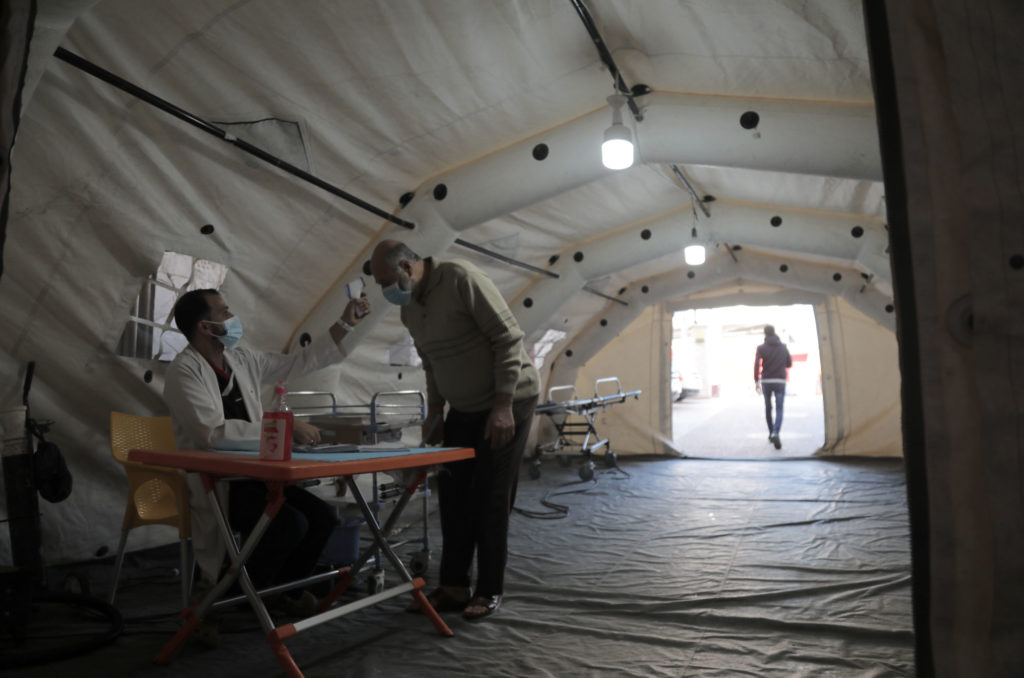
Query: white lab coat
(194, 399)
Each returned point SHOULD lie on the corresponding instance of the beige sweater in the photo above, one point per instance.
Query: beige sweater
(469, 341)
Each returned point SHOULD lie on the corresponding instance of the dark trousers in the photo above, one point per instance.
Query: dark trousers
(295, 537)
(476, 496)
(780, 397)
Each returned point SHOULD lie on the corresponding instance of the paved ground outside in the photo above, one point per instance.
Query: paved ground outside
(734, 427)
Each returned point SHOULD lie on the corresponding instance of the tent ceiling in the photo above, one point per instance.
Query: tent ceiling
(390, 95)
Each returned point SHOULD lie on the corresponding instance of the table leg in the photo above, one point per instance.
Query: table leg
(381, 543)
(193, 615)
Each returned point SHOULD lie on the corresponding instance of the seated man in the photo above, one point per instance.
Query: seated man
(213, 392)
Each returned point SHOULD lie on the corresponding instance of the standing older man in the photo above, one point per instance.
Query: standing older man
(474, 360)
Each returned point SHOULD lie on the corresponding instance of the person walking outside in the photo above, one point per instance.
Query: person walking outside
(771, 361)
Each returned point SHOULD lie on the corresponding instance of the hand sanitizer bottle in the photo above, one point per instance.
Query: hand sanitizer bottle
(278, 424)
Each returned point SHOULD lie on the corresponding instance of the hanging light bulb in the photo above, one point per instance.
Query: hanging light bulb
(617, 149)
(694, 254)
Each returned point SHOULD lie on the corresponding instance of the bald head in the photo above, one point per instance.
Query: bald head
(393, 262)
(387, 255)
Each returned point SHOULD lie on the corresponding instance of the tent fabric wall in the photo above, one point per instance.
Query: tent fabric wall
(860, 387)
(636, 426)
(950, 90)
(861, 390)
(16, 21)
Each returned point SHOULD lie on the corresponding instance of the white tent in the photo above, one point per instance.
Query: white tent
(763, 130)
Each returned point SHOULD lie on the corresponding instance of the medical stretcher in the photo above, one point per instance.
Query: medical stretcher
(573, 419)
(378, 422)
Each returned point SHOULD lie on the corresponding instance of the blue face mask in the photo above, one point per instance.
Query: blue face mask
(232, 331)
(396, 294)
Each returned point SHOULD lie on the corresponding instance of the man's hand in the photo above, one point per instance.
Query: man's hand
(433, 427)
(757, 387)
(305, 433)
(356, 310)
(501, 425)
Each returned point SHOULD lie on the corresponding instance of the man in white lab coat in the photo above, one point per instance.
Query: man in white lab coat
(213, 392)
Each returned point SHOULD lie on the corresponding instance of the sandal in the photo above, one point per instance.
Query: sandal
(481, 606)
(442, 599)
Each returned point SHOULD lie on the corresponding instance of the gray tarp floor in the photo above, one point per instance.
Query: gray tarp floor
(667, 567)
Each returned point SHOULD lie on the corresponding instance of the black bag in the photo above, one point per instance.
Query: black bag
(49, 470)
(52, 477)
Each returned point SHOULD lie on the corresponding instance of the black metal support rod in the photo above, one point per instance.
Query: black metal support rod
(210, 128)
(693, 194)
(168, 107)
(606, 57)
(502, 257)
(606, 296)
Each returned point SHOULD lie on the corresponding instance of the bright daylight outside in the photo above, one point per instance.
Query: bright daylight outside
(716, 410)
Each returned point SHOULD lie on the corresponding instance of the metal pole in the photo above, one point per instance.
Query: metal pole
(502, 257)
(606, 57)
(606, 296)
(693, 194)
(209, 128)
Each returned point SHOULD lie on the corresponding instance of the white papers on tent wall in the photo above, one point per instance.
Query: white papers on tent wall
(403, 352)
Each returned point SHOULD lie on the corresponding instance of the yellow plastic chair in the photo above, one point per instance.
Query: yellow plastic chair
(158, 495)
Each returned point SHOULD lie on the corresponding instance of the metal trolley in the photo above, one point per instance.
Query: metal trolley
(573, 420)
(381, 420)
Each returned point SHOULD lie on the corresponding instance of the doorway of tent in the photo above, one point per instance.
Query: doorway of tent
(716, 411)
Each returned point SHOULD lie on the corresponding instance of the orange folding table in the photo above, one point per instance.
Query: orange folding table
(214, 466)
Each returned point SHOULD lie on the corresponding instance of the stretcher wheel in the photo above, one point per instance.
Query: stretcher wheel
(419, 563)
(375, 582)
(534, 470)
(587, 470)
(76, 583)
(564, 461)
(610, 459)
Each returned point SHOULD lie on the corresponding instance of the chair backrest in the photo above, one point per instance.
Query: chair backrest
(131, 431)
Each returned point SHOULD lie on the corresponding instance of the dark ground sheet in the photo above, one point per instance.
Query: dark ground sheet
(683, 567)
